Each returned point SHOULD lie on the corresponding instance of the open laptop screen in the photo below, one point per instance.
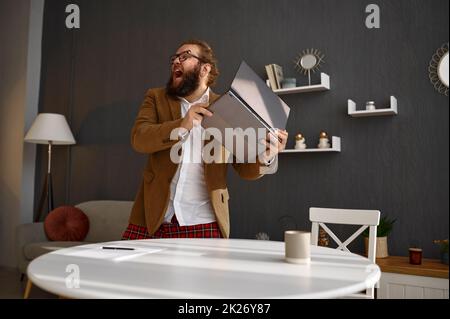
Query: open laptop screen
(256, 94)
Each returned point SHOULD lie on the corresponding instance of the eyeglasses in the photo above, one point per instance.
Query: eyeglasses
(183, 56)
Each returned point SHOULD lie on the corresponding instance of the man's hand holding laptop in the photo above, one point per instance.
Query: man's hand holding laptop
(195, 113)
(274, 145)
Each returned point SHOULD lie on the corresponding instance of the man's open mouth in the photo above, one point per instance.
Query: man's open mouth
(178, 73)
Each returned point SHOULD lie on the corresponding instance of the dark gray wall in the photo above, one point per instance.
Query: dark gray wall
(97, 76)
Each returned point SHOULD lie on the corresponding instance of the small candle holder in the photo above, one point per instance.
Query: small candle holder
(415, 256)
(370, 106)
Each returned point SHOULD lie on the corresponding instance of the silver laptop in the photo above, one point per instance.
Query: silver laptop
(249, 103)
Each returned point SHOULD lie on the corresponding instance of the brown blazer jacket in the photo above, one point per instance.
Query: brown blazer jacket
(158, 116)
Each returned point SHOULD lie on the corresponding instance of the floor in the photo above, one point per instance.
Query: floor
(12, 288)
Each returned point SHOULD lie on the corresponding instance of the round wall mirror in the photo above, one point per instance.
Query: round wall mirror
(308, 61)
(438, 70)
(443, 70)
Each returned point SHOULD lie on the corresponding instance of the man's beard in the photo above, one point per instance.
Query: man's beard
(189, 83)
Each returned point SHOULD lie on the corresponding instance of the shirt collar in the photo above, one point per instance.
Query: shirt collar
(197, 101)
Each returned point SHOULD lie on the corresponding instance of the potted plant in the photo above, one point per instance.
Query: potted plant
(443, 249)
(383, 230)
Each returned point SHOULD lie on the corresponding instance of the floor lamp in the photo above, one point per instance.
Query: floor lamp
(51, 129)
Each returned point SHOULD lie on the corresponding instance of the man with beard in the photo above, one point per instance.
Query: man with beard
(186, 199)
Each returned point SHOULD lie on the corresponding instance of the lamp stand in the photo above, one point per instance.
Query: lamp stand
(47, 190)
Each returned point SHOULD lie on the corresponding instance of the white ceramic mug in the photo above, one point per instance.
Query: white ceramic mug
(297, 246)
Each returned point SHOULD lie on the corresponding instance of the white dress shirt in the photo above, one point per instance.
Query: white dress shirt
(189, 198)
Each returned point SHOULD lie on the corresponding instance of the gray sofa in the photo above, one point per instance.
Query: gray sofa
(107, 221)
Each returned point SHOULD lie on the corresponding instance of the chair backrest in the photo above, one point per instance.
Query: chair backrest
(365, 218)
(108, 219)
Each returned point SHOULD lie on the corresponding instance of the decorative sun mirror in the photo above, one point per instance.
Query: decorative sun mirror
(443, 70)
(309, 60)
(438, 70)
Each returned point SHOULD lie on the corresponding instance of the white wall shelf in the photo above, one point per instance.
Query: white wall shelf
(335, 147)
(323, 86)
(392, 110)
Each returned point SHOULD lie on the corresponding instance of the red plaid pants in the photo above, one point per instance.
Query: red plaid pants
(173, 230)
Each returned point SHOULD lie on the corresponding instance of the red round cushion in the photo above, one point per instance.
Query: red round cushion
(66, 223)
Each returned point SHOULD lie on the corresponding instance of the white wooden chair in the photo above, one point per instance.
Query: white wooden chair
(366, 218)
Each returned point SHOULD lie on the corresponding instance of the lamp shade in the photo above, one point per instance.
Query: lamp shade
(50, 127)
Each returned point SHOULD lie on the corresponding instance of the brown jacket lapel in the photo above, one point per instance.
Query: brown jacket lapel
(175, 107)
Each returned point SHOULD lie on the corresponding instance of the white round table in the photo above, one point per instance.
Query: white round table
(199, 268)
